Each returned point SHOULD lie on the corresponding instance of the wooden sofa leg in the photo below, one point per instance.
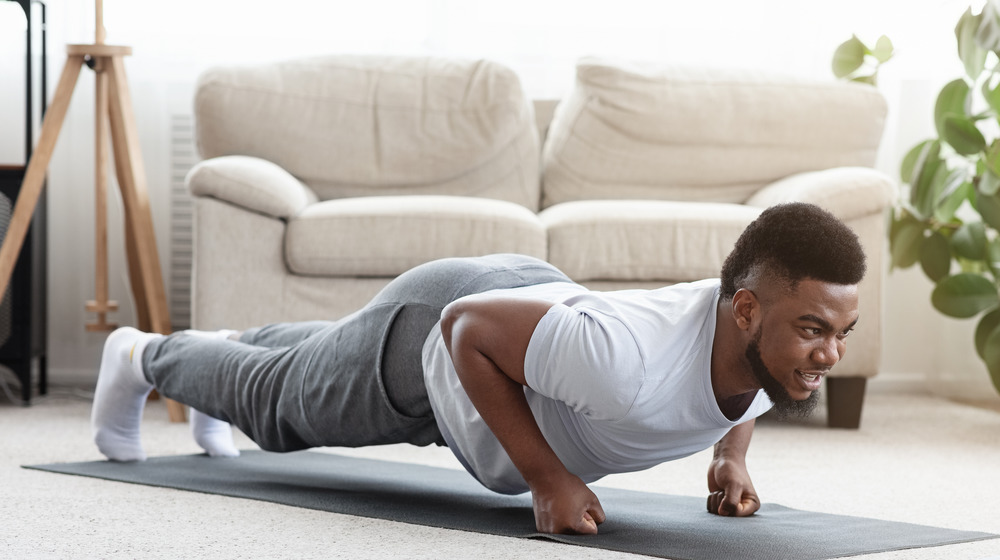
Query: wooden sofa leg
(844, 398)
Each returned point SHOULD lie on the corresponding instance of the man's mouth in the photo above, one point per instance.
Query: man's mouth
(810, 380)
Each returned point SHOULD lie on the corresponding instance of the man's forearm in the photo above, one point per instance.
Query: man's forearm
(498, 395)
(503, 406)
(487, 339)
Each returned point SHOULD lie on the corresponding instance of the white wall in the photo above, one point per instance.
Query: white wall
(174, 41)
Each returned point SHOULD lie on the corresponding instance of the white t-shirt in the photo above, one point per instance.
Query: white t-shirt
(617, 382)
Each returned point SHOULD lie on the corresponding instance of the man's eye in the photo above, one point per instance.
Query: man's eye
(812, 330)
(846, 333)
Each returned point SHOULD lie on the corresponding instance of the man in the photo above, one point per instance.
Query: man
(534, 382)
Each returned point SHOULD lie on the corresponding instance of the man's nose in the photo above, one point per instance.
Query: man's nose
(829, 352)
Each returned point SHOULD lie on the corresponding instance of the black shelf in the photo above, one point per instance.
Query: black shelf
(23, 311)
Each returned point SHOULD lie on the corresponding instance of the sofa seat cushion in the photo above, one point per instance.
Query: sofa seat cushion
(386, 236)
(643, 240)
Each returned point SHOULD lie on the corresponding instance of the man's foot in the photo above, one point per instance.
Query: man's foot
(211, 434)
(121, 395)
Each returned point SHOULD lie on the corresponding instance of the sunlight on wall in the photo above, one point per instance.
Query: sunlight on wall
(175, 41)
(540, 40)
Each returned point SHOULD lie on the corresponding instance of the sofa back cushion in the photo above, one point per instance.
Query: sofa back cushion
(628, 131)
(351, 126)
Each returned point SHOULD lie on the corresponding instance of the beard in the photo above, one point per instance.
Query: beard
(784, 405)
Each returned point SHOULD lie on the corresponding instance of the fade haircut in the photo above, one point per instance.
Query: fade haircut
(791, 242)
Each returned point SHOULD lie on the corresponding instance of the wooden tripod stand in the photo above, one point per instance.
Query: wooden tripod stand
(114, 107)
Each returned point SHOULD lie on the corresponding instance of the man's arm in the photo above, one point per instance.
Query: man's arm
(487, 339)
(732, 492)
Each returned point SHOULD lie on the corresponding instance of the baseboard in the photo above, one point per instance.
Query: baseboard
(898, 383)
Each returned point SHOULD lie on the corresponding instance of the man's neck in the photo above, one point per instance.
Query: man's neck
(732, 381)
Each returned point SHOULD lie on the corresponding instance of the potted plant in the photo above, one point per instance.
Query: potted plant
(949, 219)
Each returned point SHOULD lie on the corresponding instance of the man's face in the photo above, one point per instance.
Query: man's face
(799, 337)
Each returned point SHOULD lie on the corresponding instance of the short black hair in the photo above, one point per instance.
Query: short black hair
(791, 242)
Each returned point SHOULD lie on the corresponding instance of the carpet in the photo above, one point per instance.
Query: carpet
(661, 525)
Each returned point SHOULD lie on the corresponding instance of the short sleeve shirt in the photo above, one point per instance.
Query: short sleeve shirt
(617, 382)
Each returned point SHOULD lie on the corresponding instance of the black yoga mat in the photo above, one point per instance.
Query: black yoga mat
(661, 525)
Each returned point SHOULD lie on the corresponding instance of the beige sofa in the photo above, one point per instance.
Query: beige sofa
(324, 178)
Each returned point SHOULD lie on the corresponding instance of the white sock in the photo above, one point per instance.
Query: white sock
(121, 395)
(211, 434)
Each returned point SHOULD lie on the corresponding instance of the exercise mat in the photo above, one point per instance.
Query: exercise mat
(660, 525)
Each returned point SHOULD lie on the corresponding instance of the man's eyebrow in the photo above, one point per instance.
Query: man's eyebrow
(824, 323)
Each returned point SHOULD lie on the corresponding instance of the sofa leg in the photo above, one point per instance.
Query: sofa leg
(844, 398)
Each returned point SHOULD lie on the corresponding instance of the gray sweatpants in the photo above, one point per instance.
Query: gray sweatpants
(353, 382)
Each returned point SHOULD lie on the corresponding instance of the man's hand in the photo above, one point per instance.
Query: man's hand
(566, 505)
(732, 492)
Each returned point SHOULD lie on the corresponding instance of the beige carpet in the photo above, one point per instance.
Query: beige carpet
(916, 459)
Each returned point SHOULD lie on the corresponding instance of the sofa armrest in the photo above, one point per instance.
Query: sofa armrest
(847, 192)
(251, 183)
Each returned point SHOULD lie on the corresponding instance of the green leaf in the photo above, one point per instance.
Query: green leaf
(989, 183)
(905, 240)
(973, 56)
(927, 163)
(870, 80)
(992, 95)
(964, 295)
(949, 205)
(989, 208)
(969, 241)
(962, 134)
(984, 329)
(935, 256)
(928, 186)
(993, 158)
(957, 189)
(883, 49)
(953, 100)
(988, 33)
(991, 356)
(848, 57)
(910, 160)
(993, 255)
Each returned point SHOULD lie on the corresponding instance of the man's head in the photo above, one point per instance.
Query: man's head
(791, 242)
(792, 279)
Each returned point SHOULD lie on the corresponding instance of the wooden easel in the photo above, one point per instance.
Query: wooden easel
(114, 107)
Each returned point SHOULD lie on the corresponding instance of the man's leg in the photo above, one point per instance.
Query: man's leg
(216, 436)
(279, 335)
(211, 434)
(275, 396)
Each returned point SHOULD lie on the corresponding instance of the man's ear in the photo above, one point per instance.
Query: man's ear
(746, 307)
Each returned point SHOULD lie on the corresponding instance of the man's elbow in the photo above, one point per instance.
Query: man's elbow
(450, 318)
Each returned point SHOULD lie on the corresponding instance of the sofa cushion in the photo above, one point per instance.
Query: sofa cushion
(377, 125)
(700, 134)
(253, 183)
(386, 236)
(643, 240)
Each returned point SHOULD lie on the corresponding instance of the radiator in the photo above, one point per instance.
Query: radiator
(183, 156)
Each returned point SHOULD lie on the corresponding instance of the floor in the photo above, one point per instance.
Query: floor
(916, 459)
